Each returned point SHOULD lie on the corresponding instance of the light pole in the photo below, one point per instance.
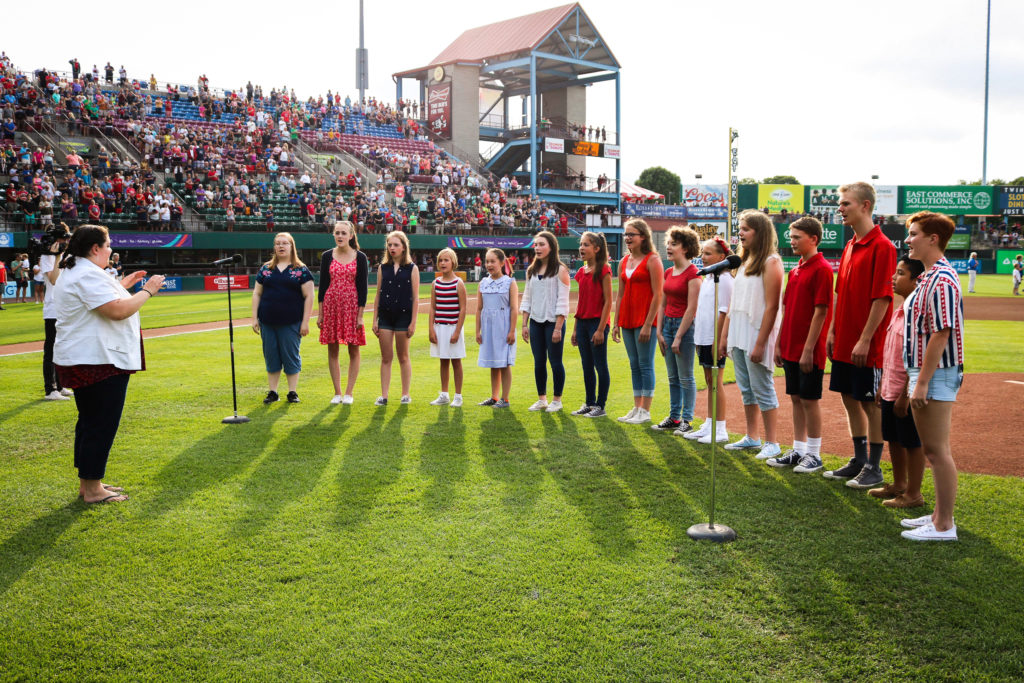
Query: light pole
(984, 144)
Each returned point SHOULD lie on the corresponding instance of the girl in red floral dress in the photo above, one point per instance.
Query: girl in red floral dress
(342, 296)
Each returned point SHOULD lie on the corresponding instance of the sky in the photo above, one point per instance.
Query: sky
(827, 92)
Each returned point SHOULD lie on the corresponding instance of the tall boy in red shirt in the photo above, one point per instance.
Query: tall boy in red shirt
(856, 337)
(806, 313)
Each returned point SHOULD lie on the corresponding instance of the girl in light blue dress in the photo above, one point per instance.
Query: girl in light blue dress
(497, 305)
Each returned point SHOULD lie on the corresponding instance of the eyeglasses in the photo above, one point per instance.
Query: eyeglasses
(627, 235)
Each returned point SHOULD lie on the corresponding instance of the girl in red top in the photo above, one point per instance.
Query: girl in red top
(593, 315)
(641, 278)
(675, 328)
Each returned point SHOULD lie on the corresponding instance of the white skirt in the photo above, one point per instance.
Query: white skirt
(444, 348)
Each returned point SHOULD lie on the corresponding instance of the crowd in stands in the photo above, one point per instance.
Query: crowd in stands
(1000, 234)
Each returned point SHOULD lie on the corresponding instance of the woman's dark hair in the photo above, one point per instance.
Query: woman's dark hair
(551, 264)
(599, 243)
(82, 242)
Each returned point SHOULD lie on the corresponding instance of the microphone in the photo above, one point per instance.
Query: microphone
(731, 262)
(237, 258)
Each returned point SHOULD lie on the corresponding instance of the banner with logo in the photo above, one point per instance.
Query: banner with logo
(11, 289)
(959, 264)
(556, 145)
(961, 238)
(655, 210)
(1005, 259)
(439, 109)
(1010, 200)
(490, 242)
(704, 195)
(171, 284)
(832, 236)
(709, 229)
(791, 262)
(824, 200)
(7, 239)
(219, 283)
(777, 198)
(145, 240)
(887, 200)
(612, 152)
(951, 199)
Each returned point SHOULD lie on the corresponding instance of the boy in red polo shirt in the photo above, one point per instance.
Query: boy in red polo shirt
(856, 337)
(806, 313)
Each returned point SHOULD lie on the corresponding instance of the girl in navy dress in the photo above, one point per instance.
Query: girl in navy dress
(394, 312)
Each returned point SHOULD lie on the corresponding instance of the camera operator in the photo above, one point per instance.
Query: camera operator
(52, 245)
(98, 348)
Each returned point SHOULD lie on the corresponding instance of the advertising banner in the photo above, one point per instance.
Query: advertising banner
(790, 262)
(951, 199)
(145, 240)
(171, 284)
(1010, 200)
(654, 210)
(556, 145)
(490, 242)
(704, 195)
(11, 289)
(219, 283)
(1004, 260)
(959, 264)
(775, 198)
(584, 148)
(439, 110)
(7, 239)
(887, 200)
(832, 237)
(824, 200)
(612, 152)
(961, 238)
(896, 232)
(708, 229)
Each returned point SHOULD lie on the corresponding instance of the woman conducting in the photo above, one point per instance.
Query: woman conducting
(98, 347)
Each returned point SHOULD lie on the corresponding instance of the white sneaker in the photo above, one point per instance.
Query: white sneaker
(916, 522)
(554, 407)
(456, 401)
(928, 532)
(336, 400)
(641, 416)
(66, 392)
(769, 450)
(703, 430)
(346, 400)
(441, 400)
(721, 436)
(406, 400)
(56, 396)
(628, 416)
(541, 404)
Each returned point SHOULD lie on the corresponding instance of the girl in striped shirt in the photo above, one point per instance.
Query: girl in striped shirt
(933, 353)
(447, 317)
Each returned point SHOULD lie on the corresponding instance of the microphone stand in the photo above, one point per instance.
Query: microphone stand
(235, 418)
(709, 531)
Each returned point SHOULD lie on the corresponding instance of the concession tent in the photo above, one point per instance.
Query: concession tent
(635, 193)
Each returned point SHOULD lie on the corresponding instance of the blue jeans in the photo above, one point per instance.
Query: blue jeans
(682, 386)
(595, 361)
(545, 350)
(641, 359)
(281, 347)
(754, 380)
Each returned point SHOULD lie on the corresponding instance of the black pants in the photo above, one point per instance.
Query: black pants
(545, 350)
(50, 380)
(99, 415)
(596, 379)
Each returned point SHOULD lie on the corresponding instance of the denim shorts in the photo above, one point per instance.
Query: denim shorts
(943, 386)
(755, 381)
(394, 321)
(281, 347)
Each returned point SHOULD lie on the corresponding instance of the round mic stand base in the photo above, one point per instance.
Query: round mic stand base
(711, 532)
(235, 420)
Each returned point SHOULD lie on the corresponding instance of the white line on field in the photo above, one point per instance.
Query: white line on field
(1012, 381)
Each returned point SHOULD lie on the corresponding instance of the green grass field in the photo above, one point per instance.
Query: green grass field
(411, 543)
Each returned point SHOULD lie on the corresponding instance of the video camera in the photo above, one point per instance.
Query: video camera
(44, 243)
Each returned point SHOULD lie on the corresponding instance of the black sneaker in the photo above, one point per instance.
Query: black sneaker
(271, 397)
(869, 477)
(293, 397)
(487, 402)
(666, 425)
(788, 459)
(847, 471)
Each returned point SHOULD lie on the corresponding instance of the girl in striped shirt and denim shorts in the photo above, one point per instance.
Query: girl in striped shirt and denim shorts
(447, 318)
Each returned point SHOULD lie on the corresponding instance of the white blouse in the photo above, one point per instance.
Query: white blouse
(545, 298)
(746, 312)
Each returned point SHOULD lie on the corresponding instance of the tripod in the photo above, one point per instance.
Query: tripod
(709, 531)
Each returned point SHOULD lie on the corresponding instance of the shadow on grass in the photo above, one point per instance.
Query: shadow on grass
(213, 460)
(587, 484)
(22, 550)
(373, 461)
(290, 471)
(443, 457)
(508, 457)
